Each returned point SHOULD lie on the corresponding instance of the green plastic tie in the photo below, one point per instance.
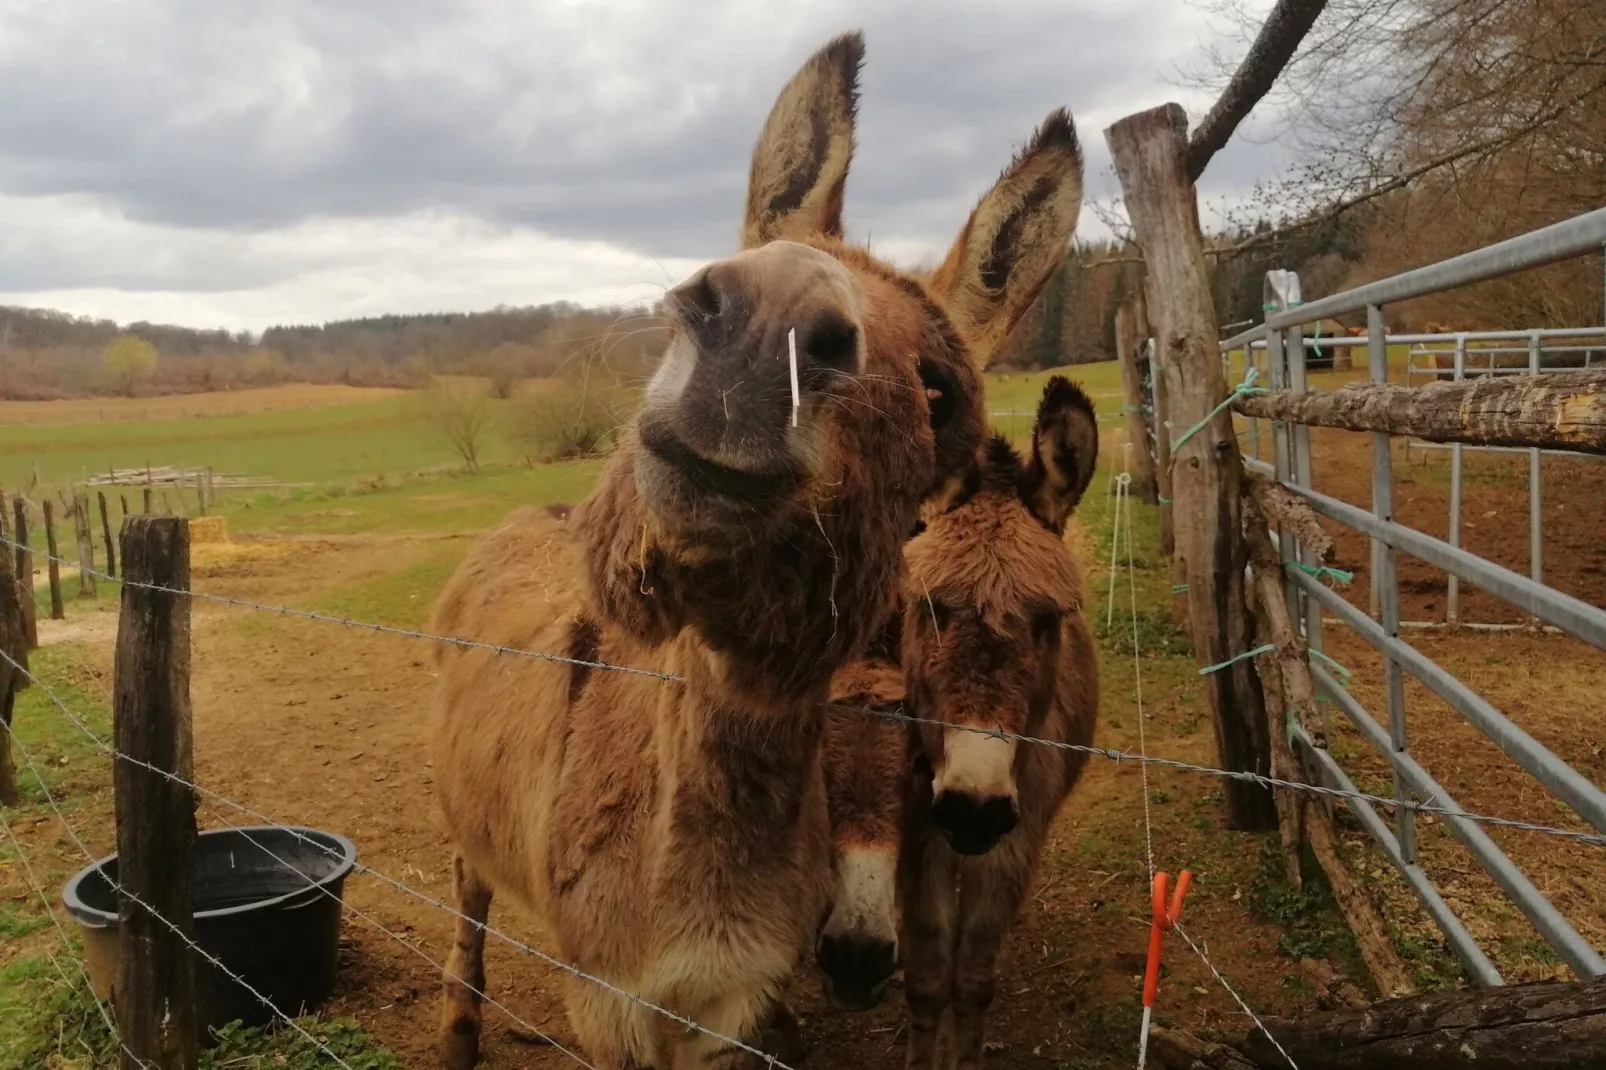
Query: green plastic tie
(1343, 673)
(1179, 588)
(1323, 570)
(1255, 653)
(1163, 500)
(1242, 389)
(1134, 408)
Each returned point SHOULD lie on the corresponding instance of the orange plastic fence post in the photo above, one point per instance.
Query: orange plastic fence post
(1164, 917)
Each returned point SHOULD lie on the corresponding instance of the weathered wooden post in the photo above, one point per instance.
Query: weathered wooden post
(24, 564)
(13, 677)
(106, 533)
(147, 502)
(124, 499)
(86, 545)
(155, 992)
(1151, 157)
(1127, 343)
(53, 565)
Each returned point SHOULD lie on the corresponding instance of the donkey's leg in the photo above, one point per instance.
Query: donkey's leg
(991, 891)
(614, 1033)
(465, 970)
(781, 1036)
(929, 909)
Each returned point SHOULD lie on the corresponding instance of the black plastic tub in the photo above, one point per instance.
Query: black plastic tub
(267, 905)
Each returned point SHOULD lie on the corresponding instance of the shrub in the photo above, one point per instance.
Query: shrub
(458, 413)
(567, 419)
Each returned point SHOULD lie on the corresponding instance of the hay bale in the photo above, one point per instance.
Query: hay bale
(204, 529)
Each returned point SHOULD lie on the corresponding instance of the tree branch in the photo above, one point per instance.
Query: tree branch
(1279, 38)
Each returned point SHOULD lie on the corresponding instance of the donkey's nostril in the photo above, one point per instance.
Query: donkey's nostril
(833, 344)
(856, 969)
(973, 825)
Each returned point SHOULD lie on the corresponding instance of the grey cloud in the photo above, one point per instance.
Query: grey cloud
(625, 122)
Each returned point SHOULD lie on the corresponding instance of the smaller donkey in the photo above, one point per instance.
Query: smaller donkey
(993, 639)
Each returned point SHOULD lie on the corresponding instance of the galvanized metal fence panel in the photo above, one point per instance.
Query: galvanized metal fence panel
(1278, 349)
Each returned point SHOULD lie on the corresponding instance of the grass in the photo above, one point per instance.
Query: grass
(401, 598)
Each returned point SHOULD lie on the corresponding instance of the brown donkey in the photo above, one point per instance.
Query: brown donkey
(671, 831)
(993, 639)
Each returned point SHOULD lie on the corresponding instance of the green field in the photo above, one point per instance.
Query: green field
(370, 466)
(375, 466)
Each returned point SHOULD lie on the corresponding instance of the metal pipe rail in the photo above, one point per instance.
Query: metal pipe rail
(1234, 343)
(1559, 241)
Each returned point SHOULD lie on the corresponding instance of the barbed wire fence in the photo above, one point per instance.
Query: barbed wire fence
(898, 714)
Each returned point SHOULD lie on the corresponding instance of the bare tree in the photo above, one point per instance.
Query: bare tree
(459, 413)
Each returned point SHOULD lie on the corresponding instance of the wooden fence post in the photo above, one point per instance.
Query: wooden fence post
(106, 533)
(53, 565)
(86, 544)
(124, 499)
(147, 505)
(13, 678)
(1127, 344)
(156, 835)
(1151, 153)
(24, 564)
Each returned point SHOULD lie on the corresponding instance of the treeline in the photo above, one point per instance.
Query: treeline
(45, 354)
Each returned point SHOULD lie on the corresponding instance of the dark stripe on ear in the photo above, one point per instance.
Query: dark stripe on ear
(1002, 257)
(791, 198)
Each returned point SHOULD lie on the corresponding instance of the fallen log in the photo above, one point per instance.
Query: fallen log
(1548, 1025)
(1556, 410)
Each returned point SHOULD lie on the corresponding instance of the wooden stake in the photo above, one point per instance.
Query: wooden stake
(147, 501)
(156, 835)
(53, 566)
(14, 643)
(24, 566)
(106, 533)
(1150, 151)
(1137, 427)
(86, 545)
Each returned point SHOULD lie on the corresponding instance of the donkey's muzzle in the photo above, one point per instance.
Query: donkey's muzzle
(972, 824)
(856, 969)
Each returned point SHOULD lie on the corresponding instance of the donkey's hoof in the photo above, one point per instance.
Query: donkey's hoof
(460, 1044)
(782, 1038)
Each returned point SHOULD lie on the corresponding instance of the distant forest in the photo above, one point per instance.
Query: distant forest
(46, 354)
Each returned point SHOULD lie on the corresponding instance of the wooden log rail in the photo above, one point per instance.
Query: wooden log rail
(1547, 1025)
(1556, 410)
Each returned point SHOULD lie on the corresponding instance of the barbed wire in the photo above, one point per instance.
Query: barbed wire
(1594, 839)
(769, 1060)
(72, 834)
(1197, 950)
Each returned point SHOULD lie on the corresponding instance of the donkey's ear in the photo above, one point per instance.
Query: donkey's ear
(1015, 238)
(1065, 453)
(800, 164)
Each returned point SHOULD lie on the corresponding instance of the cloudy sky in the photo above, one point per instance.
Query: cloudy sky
(236, 163)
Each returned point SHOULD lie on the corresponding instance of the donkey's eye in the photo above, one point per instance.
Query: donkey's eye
(939, 386)
(1045, 623)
